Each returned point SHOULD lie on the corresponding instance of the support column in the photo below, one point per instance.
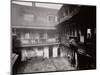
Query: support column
(76, 60)
(61, 53)
(55, 51)
(75, 33)
(46, 52)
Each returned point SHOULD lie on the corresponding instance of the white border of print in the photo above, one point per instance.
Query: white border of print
(5, 37)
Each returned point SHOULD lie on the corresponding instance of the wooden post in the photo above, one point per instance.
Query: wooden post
(46, 52)
(76, 60)
(55, 51)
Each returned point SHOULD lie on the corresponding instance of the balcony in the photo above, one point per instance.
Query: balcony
(38, 42)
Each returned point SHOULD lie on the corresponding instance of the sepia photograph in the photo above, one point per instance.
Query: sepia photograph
(52, 37)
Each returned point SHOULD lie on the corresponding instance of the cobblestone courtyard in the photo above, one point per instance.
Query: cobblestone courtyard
(44, 65)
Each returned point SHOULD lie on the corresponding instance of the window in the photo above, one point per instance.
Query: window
(28, 17)
(52, 18)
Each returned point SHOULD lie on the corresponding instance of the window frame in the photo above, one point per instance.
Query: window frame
(55, 18)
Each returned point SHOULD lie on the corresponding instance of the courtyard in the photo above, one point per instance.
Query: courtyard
(44, 65)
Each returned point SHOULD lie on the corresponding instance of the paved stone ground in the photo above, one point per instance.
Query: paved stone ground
(44, 65)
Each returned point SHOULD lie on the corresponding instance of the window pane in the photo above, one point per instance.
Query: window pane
(52, 18)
